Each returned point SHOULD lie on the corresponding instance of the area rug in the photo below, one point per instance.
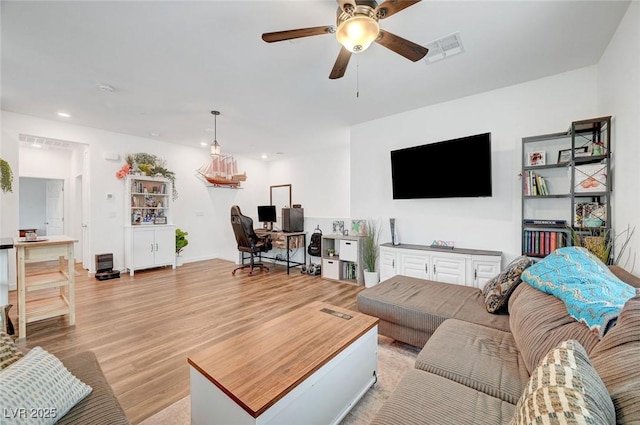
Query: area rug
(394, 360)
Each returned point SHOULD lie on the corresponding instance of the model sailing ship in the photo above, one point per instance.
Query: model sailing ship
(222, 170)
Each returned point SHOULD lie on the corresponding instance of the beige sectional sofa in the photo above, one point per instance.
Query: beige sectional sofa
(475, 365)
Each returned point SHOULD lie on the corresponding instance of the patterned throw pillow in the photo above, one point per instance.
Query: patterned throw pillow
(565, 389)
(9, 353)
(38, 388)
(497, 291)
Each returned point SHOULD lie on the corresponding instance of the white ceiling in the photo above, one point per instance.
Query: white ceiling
(172, 62)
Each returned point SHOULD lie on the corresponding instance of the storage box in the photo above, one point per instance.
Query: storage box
(331, 268)
(590, 178)
(348, 250)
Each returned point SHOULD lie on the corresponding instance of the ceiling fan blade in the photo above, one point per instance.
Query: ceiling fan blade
(340, 67)
(391, 7)
(343, 3)
(270, 37)
(410, 50)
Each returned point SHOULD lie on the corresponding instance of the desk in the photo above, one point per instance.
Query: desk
(287, 244)
(62, 280)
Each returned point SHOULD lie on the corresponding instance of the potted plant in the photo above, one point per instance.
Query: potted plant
(370, 252)
(6, 176)
(181, 243)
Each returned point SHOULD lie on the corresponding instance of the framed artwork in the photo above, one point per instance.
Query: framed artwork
(358, 227)
(338, 227)
(565, 154)
(160, 220)
(536, 158)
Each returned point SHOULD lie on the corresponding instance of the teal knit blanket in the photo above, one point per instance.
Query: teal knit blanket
(592, 294)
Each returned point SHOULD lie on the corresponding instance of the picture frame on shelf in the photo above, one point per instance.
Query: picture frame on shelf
(564, 155)
(358, 227)
(338, 227)
(160, 220)
(536, 158)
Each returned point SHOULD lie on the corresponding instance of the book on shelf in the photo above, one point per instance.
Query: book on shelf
(545, 222)
(540, 243)
(535, 184)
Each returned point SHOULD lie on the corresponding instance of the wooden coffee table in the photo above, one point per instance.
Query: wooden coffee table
(309, 366)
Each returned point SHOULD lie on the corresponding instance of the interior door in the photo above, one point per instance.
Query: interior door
(54, 207)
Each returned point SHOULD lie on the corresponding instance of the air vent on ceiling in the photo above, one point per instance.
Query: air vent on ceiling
(45, 142)
(444, 48)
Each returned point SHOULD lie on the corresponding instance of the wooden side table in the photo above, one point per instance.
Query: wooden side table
(63, 280)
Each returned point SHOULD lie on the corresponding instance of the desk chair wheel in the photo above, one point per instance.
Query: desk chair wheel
(251, 267)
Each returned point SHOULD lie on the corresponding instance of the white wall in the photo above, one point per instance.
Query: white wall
(619, 95)
(538, 107)
(202, 211)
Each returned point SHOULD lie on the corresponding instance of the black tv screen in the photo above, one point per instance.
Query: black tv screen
(457, 168)
(267, 213)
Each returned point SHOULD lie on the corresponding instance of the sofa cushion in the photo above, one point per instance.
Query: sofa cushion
(40, 383)
(592, 294)
(424, 304)
(565, 389)
(616, 359)
(424, 398)
(9, 353)
(539, 322)
(101, 406)
(496, 291)
(473, 355)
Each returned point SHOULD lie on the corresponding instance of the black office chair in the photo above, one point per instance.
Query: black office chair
(248, 241)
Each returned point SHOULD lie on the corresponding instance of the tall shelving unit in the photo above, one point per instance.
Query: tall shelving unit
(149, 230)
(566, 186)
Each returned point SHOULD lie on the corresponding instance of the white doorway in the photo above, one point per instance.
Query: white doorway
(42, 205)
(61, 197)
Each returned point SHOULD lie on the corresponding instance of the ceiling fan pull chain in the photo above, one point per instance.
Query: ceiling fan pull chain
(357, 78)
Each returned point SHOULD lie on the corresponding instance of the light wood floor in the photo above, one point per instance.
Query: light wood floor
(142, 329)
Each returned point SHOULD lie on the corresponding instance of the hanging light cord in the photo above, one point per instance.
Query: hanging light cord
(357, 77)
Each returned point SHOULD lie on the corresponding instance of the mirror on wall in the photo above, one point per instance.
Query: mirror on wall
(280, 196)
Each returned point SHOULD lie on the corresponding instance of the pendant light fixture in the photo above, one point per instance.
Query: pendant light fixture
(215, 146)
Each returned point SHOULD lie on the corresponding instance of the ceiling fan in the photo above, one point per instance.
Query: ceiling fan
(357, 27)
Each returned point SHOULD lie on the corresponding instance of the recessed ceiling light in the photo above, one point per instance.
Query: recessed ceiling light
(64, 115)
(106, 87)
(264, 156)
(153, 134)
(204, 144)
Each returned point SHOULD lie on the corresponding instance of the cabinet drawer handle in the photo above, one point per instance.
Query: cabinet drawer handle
(434, 269)
(156, 246)
(151, 247)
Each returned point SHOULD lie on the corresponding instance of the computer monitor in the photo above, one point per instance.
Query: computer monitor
(267, 215)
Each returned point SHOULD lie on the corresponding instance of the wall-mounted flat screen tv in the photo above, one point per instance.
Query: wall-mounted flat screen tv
(457, 168)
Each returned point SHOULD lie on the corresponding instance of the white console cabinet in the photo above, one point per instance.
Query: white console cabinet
(467, 267)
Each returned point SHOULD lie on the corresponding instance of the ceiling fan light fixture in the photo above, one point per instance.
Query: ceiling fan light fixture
(357, 33)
